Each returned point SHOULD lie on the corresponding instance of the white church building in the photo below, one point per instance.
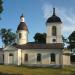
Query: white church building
(34, 54)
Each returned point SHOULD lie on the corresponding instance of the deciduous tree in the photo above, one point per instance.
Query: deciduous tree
(7, 36)
(71, 39)
(40, 37)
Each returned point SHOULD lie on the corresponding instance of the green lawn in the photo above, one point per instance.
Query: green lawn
(14, 70)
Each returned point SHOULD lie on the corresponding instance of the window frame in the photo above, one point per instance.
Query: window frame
(11, 54)
(54, 40)
(26, 57)
(53, 58)
(54, 31)
(20, 35)
(38, 57)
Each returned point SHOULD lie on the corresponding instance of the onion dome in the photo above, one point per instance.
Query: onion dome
(54, 18)
(22, 25)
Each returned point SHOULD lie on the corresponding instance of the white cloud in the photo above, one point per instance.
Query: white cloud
(67, 16)
(47, 9)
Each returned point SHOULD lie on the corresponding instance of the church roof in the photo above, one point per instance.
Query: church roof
(54, 18)
(40, 46)
(22, 25)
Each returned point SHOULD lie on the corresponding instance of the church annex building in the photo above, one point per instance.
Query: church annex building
(34, 54)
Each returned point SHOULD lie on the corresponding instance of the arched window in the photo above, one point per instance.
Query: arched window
(54, 31)
(20, 35)
(38, 57)
(52, 57)
(26, 57)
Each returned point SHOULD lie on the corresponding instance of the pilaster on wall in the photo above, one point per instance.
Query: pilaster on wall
(19, 57)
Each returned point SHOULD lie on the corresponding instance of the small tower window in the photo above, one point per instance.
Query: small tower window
(20, 35)
(52, 57)
(26, 57)
(38, 57)
(54, 40)
(54, 31)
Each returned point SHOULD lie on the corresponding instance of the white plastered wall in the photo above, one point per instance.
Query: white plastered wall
(6, 57)
(66, 57)
(45, 56)
(24, 37)
(10, 49)
(50, 38)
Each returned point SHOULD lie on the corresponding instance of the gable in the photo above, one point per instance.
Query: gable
(10, 48)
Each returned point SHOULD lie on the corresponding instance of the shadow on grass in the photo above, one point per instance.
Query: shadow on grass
(41, 67)
(72, 72)
(8, 74)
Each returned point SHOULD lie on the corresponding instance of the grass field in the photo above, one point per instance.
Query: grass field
(14, 70)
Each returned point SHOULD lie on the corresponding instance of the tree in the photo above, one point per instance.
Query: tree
(7, 36)
(40, 37)
(64, 39)
(1, 6)
(71, 39)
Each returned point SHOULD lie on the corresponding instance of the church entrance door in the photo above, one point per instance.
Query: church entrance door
(11, 60)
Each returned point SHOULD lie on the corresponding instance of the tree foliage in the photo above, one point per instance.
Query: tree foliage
(71, 39)
(1, 6)
(40, 37)
(64, 39)
(7, 36)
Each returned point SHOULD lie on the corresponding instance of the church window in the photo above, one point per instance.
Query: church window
(26, 57)
(3, 57)
(54, 31)
(52, 57)
(38, 57)
(10, 54)
(54, 40)
(20, 35)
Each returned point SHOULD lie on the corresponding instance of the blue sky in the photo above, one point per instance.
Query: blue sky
(36, 13)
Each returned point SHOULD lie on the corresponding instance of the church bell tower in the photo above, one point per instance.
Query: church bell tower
(54, 29)
(22, 32)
